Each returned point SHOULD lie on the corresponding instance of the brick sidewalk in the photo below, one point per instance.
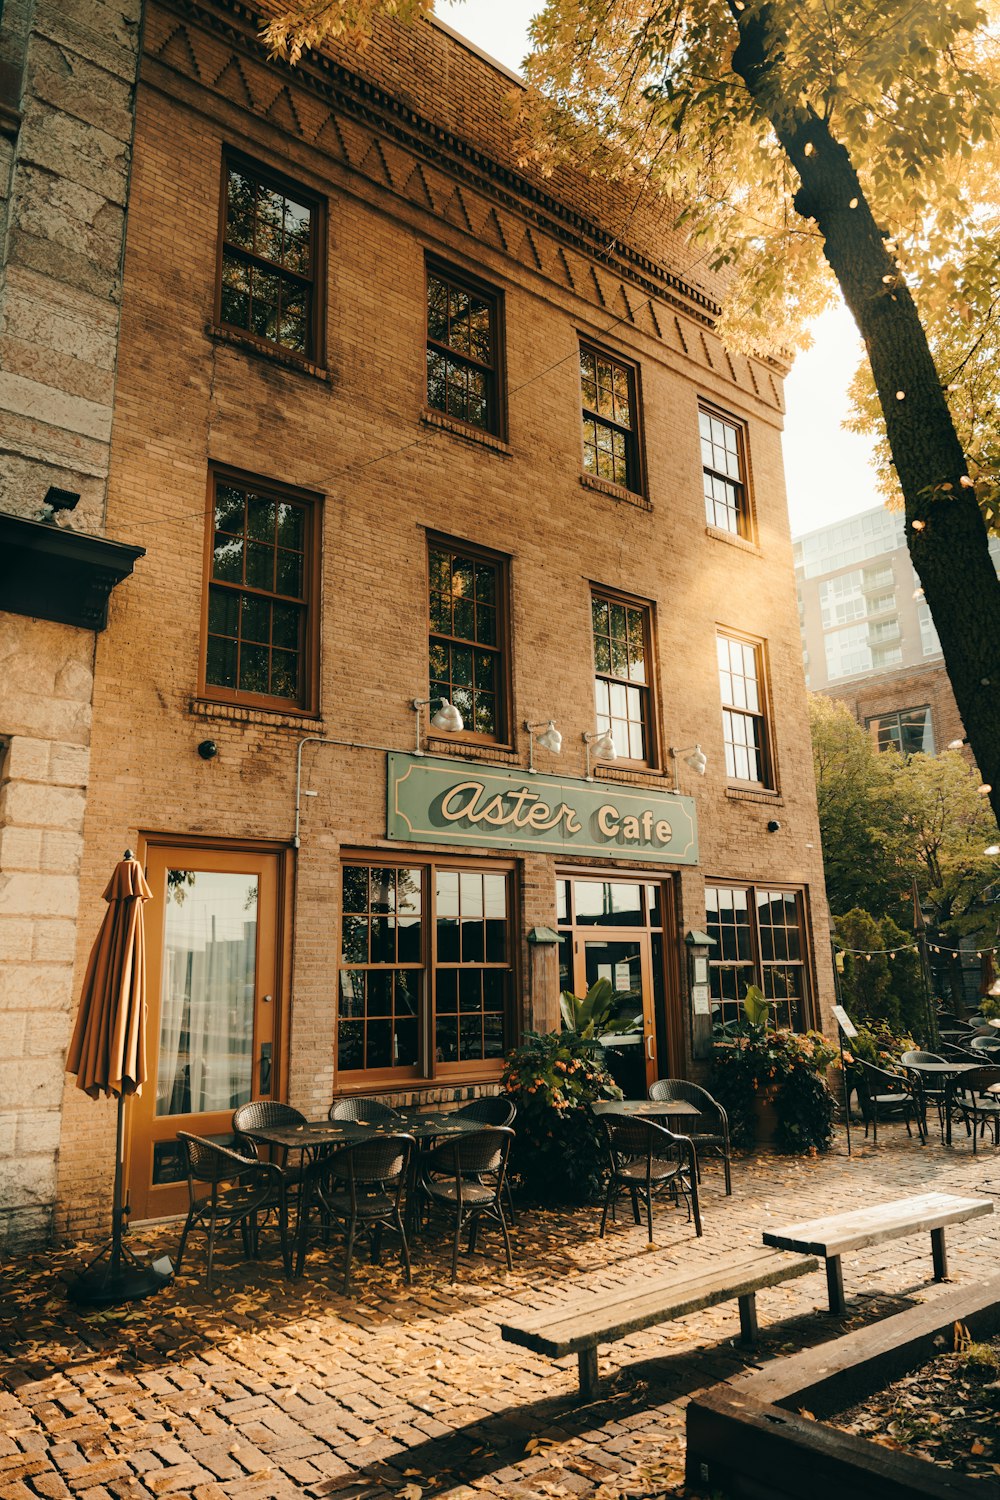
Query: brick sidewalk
(268, 1389)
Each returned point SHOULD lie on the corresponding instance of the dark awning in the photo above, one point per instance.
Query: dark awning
(56, 574)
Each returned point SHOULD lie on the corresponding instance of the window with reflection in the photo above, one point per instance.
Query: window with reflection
(744, 722)
(426, 970)
(467, 649)
(610, 418)
(261, 627)
(463, 349)
(268, 281)
(723, 473)
(759, 939)
(907, 730)
(622, 674)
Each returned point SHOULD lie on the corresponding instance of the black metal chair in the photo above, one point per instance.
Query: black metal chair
(714, 1138)
(493, 1109)
(931, 1089)
(977, 1104)
(360, 1187)
(260, 1114)
(238, 1189)
(885, 1096)
(646, 1160)
(364, 1111)
(465, 1177)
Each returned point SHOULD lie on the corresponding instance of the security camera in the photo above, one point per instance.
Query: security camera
(773, 826)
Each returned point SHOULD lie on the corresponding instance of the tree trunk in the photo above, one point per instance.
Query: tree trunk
(945, 530)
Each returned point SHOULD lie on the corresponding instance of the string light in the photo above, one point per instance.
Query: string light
(916, 525)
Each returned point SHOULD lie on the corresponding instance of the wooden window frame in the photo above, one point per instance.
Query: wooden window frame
(873, 721)
(635, 481)
(307, 704)
(315, 352)
(652, 761)
(744, 509)
(495, 372)
(760, 716)
(427, 1070)
(503, 738)
(755, 965)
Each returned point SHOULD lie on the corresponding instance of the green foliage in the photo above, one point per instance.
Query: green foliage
(989, 1007)
(887, 987)
(788, 1064)
(558, 1151)
(756, 1009)
(590, 1014)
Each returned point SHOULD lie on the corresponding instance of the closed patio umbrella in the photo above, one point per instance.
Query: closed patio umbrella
(108, 1055)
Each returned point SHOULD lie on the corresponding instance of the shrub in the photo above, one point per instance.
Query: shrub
(558, 1151)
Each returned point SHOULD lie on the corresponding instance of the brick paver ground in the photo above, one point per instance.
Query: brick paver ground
(267, 1389)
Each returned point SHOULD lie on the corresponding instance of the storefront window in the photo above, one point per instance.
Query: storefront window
(759, 939)
(426, 977)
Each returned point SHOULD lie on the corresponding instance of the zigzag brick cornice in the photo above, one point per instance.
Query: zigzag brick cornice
(353, 95)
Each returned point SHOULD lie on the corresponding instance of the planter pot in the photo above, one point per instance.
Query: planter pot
(765, 1116)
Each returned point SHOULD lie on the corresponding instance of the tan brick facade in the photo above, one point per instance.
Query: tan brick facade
(422, 169)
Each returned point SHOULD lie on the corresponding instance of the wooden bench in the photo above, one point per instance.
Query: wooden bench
(836, 1234)
(578, 1327)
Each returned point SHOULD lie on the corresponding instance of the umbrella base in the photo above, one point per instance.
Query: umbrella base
(102, 1285)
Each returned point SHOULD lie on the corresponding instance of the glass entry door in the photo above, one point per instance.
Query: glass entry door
(212, 970)
(630, 1041)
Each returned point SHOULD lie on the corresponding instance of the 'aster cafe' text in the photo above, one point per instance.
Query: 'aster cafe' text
(471, 804)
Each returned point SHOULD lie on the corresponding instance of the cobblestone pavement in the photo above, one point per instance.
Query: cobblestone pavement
(266, 1388)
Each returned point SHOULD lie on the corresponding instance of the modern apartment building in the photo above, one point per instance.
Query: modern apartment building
(462, 530)
(867, 634)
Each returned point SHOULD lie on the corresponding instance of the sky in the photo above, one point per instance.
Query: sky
(828, 471)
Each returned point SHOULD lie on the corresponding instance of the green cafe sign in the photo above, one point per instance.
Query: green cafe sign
(432, 800)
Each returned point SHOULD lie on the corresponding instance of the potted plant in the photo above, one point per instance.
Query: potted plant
(553, 1078)
(771, 1080)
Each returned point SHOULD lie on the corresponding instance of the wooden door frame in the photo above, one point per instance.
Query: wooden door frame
(643, 936)
(203, 848)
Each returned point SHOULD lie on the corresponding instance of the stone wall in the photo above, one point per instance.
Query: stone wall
(67, 76)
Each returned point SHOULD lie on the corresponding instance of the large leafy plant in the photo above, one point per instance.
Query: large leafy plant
(553, 1078)
(752, 1057)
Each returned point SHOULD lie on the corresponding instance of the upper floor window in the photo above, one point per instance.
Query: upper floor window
(468, 635)
(907, 730)
(261, 623)
(268, 280)
(623, 673)
(463, 349)
(744, 723)
(610, 418)
(724, 473)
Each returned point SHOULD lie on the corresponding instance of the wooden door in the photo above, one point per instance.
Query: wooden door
(624, 960)
(213, 974)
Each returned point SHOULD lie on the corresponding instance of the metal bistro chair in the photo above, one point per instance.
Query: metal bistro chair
(239, 1188)
(363, 1111)
(977, 1105)
(493, 1109)
(465, 1177)
(716, 1137)
(885, 1095)
(931, 1091)
(647, 1160)
(261, 1114)
(360, 1187)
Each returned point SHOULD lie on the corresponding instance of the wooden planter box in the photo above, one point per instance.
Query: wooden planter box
(746, 1439)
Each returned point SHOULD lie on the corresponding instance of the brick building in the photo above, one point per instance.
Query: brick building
(395, 421)
(867, 635)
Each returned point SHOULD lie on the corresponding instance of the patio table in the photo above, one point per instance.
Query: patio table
(645, 1109)
(949, 1072)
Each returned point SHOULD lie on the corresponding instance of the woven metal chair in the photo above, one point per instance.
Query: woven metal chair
(886, 1096)
(931, 1090)
(647, 1161)
(261, 1114)
(363, 1111)
(977, 1104)
(710, 1131)
(493, 1109)
(225, 1189)
(465, 1177)
(360, 1187)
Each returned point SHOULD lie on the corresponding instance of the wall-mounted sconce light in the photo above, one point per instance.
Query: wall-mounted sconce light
(601, 745)
(447, 718)
(208, 749)
(694, 756)
(549, 739)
